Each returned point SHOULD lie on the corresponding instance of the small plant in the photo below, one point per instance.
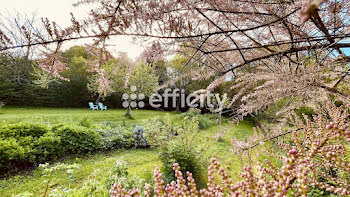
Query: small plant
(139, 138)
(119, 174)
(48, 171)
(176, 145)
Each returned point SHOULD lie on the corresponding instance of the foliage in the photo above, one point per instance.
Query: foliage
(176, 143)
(85, 122)
(204, 120)
(115, 137)
(18, 77)
(23, 130)
(305, 110)
(321, 146)
(186, 154)
(77, 139)
(160, 131)
(22, 145)
(119, 174)
(138, 134)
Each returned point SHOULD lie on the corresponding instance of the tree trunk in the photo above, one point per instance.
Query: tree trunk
(128, 112)
(178, 103)
(220, 120)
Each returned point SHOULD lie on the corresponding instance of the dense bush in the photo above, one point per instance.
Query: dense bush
(179, 152)
(115, 137)
(24, 145)
(23, 130)
(77, 139)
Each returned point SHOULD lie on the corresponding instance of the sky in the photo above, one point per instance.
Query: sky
(59, 11)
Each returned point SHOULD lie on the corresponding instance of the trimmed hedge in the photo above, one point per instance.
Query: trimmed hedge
(77, 139)
(25, 145)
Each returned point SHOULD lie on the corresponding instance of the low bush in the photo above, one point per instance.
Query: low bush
(48, 147)
(77, 139)
(10, 154)
(25, 145)
(21, 145)
(177, 145)
(115, 137)
(85, 122)
(23, 130)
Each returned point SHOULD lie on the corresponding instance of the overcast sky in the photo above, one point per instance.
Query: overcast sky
(59, 11)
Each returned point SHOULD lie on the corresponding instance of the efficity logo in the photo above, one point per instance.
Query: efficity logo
(157, 100)
(133, 99)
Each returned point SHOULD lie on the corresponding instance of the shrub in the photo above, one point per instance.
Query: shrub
(77, 139)
(22, 145)
(177, 145)
(138, 134)
(10, 154)
(114, 137)
(48, 147)
(159, 131)
(187, 156)
(23, 130)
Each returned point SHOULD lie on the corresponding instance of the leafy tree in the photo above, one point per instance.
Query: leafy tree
(121, 77)
(144, 78)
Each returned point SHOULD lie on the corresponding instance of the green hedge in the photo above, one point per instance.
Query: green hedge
(25, 145)
(77, 139)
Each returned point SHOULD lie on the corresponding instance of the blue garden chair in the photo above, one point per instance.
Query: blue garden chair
(92, 106)
(102, 107)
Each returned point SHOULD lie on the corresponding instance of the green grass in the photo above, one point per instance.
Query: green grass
(140, 161)
(58, 115)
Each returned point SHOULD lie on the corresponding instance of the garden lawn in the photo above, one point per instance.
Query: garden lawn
(66, 115)
(97, 167)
